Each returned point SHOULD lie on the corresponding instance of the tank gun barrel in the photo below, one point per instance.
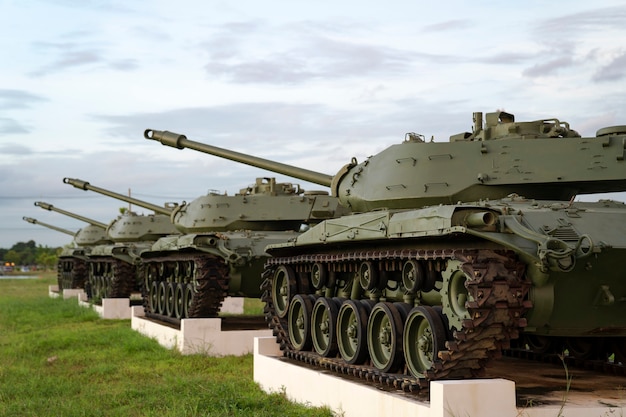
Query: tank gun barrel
(49, 226)
(176, 140)
(50, 207)
(84, 185)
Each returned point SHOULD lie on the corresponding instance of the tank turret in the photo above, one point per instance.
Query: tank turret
(222, 244)
(491, 162)
(73, 267)
(91, 235)
(71, 263)
(264, 205)
(461, 249)
(113, 266)
(129, 226)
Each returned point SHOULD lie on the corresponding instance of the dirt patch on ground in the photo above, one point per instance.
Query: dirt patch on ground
(538, 383)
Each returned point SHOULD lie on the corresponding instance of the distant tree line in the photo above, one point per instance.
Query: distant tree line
(30, 254)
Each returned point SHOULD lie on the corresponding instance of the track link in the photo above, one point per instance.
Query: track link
(497, 292)
(205, 277)
(71, 273)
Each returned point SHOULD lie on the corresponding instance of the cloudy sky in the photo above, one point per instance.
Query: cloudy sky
(306, 83)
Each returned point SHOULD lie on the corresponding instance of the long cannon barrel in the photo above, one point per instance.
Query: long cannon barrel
(84, 185)
(176, 140)
(49, 226)
(50, 207)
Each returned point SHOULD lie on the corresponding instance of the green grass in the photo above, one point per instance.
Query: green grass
(252, 307)
(60, 359)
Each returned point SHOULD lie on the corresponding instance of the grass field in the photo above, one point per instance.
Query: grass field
(60, 359)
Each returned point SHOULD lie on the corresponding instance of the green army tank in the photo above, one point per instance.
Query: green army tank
(112, 265)
(219, 250)
(72, 263)
(458, 249)
(68, 275)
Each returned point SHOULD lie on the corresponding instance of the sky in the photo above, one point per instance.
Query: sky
(311, 84)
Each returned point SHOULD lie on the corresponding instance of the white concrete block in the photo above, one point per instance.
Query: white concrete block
(232, 305)
(53, 291)
(473, 397)
(477, 397)
(206, 336)
(77, 292)
(95, 307)
(320, 388)
(116, 308)
(137, 311)
(166, 336)
(200, 336)
(267, 346)
(111, 308)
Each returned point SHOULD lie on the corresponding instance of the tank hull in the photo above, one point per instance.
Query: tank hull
(442, 290)
(424, 284)
(189, 276)
(71, 271)
(112, 270)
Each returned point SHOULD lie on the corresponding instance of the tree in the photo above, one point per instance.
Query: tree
(13, 256)
(47, 260)
(29, 253)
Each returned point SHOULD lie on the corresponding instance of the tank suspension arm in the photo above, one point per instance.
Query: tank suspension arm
(49, 226)
(50, 207)
(84, 185)
(180, 141)
(555, 254)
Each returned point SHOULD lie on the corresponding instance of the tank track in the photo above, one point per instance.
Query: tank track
(71, 273)
(111, 278)
(495, 281)
(201, 280)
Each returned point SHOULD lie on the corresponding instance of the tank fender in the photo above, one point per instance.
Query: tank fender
(231, 257)
(554, 254)
(535, 269)
(547, 253)
(217, 244)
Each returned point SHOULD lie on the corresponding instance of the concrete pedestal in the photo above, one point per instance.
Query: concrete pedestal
(53, 291)
(232, 305)
(199, 336)
(79, 292)
(111, 308)
(477, 397)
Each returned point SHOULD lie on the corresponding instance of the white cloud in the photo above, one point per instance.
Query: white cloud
(309, 84)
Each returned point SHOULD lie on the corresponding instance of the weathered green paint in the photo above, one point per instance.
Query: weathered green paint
(265, 205)
(89, 236)
(236, 228)
(543, 159)
(465, 193)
